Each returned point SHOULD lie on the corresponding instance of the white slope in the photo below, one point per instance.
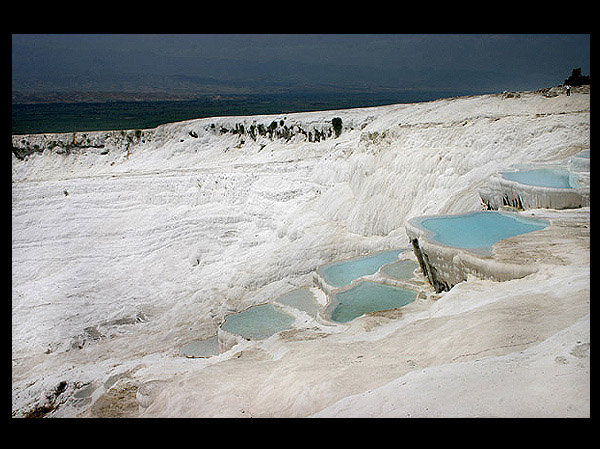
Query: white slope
(548, 380)
(124, 253)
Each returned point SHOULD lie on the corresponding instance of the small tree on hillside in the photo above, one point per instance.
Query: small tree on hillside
(577, 79)
(337, 126)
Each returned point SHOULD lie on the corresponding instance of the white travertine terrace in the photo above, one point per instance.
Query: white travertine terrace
(164, 232)
(505, 192)
(445, 266)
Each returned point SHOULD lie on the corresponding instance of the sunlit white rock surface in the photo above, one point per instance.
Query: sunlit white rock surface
(128, 245)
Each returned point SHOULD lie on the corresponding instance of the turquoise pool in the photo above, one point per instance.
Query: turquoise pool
(479, 230)
(301, 299)
(401, 270)
(543, 177)
(258, 322)
(368, 297)
(339, 274)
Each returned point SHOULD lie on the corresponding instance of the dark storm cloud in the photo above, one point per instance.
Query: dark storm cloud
(370, 61)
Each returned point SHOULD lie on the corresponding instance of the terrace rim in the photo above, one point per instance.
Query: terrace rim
(445, 266)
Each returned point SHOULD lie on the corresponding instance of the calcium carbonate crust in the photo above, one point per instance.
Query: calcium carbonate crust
(504, 192)
(445, 266)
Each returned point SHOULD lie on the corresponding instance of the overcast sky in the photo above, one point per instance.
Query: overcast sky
(511, 61)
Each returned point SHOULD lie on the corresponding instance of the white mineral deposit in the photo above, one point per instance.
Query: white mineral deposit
(129, 245)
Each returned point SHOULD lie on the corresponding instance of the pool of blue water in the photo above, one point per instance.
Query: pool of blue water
(201, 348)
(479, 230)
(401, 270)
(258, 322)
(301, 299)
(368, 297)
(543, 177)
(339, 274)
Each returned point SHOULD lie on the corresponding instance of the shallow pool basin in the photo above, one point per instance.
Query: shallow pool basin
(301, 299)
(201, 348)
(340, 274)
(478, 230)
(401, 270)
(366, 297)
(258, 322)
(580, 162)
(556, 178)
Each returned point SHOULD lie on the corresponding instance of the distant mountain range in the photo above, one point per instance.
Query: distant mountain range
(102, 75)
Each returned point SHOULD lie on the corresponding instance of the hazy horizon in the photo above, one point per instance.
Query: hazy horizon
(191, 65)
